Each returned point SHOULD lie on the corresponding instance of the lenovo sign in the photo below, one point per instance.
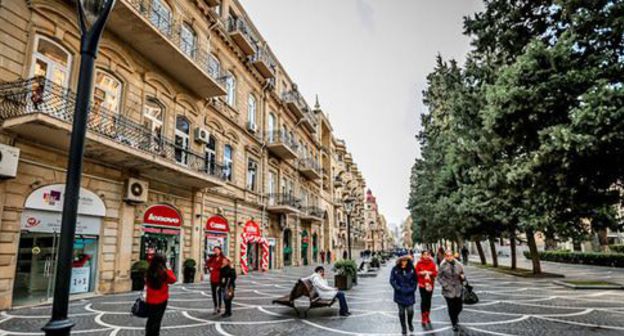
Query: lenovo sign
(217, 224)
(162, 215)
(251, 228)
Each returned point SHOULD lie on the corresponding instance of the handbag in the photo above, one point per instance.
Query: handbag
(229, 293)
(139, 308)
(470, 297)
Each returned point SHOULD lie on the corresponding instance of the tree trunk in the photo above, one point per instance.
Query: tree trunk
(603, 239)
(480, 250)
(493, 251)
(512, 246)
(537, 267)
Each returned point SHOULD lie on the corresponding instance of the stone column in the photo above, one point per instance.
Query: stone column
(125, 239)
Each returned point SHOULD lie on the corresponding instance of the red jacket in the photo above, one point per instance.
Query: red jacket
(214, 264)
(426, 265)
(158, 296)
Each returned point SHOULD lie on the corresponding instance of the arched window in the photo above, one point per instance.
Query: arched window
(188, 40)
(211, 155)
(153, 114)
(107, 93)
(251, 109)
(161, 16)
(51, 61)
(214, 67)
(227, 162)
(230, 88)
(182, 135)
(271, 124)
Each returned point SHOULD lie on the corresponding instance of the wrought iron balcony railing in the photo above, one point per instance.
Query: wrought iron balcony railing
(295, 98)
(39, 95)
(310, 163)
(276, 137)
(315, 211)
(281, 199)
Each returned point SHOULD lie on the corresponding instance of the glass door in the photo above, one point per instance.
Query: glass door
(36, 266)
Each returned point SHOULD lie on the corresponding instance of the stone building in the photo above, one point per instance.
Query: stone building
(197, 137)
(406, 233)
(378, 237)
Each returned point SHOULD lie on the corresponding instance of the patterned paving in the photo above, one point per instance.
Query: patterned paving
(509, 306)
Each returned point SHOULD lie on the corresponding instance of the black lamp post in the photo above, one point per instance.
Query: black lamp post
(92, 16)
(348, 205)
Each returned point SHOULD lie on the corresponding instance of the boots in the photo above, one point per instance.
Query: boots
(427, 319)
(423, 319)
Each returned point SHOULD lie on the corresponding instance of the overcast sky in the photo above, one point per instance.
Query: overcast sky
(367, 60)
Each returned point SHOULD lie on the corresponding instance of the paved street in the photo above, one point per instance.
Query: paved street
(509, 306)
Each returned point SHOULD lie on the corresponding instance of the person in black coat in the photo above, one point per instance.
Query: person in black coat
(227, 281)
(403, 281)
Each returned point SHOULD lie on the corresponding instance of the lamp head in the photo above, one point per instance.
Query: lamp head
(348, 204)
(92, 9)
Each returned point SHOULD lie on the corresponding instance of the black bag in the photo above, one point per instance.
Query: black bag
(139, 308)
(470, 297)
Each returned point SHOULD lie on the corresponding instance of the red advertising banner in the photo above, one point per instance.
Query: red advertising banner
(252, 228)
(217, 224)
(162, 214)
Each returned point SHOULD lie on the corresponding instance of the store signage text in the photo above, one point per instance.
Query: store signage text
(162, 215)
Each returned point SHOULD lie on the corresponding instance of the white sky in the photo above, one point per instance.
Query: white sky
(367, 60)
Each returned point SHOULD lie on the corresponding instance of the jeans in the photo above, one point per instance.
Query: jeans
(156, 313)
(454, 306)
(217, 295)
(425, 300)
(344, 308)
(402, 318)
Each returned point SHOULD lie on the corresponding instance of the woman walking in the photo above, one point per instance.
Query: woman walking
(214, 264)
(157, 279)
(426, 270)
(403, 281)
(451, 277)
(228, 285)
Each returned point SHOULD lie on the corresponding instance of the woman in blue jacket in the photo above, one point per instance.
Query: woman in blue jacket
(403, 280)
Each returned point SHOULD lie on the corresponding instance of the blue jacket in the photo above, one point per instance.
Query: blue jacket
(404, 283)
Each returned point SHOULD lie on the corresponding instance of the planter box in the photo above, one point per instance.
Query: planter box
(138, 281)
(343, 282)
(189, 275)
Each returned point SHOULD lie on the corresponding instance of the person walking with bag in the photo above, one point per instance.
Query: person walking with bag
(403, 281)
(228, 285)
(157, 280)
(451, 277)
(426, 270)
(214, 264)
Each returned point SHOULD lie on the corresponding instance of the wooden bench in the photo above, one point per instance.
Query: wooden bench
(304, 287)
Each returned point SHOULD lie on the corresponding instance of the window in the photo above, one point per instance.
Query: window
(251, 109)
(252, 174)
(182, 132)
(230, 88)
(227, 162)
(153, 117)
(214, 67)
(272, 182)
(161, 16)
(107, 93)
(271, 127)
(51, 61)
(188, 39)
(211, 156)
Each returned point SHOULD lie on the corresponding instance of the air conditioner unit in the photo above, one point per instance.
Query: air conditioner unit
(9, 157)
(136, 190)
(202, 135)
(251, 127)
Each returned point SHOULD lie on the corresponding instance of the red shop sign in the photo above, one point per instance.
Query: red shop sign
(217, 224)
(252, 228)
(162, 215)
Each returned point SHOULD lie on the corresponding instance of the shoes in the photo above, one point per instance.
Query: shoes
(411, 328)
(345, 314)
(455, 328)
(226, 315)
(217, 311)
(404, 332)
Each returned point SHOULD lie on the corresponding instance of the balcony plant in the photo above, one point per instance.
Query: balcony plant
(137, 274)
(189, 270)
(346, 271)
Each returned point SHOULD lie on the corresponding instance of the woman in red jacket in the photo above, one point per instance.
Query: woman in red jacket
(214, 264)
(426, 271)
(157, 280)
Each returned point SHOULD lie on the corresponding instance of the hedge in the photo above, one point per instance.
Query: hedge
(586, 258)
(618, 248)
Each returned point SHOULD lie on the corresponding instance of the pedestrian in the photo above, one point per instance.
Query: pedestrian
(344, 254)
(451, 277)
(329, 259)
(157, 280)
(228, 285)
(326, 292)
(440, 255)
(464, 252)
(403, 281)
(322, 257)
(214, 264)
(426, 270)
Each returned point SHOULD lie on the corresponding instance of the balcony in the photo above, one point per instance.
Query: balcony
(295, 103)
(240, 32)
(310, 168)
(264, 62)
(310, 121)
(41, 111)
(158, 38)
(312, 214)
(282, 145)
(283, 204)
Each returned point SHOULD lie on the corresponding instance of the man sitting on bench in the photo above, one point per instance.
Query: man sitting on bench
(325, 292)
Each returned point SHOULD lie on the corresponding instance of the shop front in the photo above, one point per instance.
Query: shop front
(40, 226)
(160, 234)
(216, 234)
(254, 249)
(305, 242)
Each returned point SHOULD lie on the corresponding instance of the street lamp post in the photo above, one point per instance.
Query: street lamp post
(348, 205)
(92, 15)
